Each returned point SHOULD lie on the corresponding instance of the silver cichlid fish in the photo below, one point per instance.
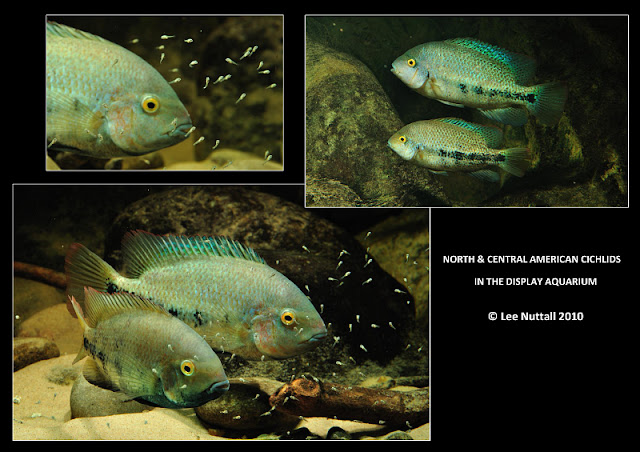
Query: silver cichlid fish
(451, 144)
(140, 349)
(221, 288)
(468, 72)
(104, 101)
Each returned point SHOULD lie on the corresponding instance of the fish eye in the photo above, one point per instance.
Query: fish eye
(187, 367)
(402, 139)
(411, 62)
(150, 104)
(288, 318)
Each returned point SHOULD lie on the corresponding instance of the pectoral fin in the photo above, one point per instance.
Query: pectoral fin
(513, 116)
(486, 175)
(450, 103)
(69, 116)
(94, 375)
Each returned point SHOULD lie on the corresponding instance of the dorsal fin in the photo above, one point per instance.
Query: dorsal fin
(143, 250)
(521, 66)
(64, 31)
(100, 306)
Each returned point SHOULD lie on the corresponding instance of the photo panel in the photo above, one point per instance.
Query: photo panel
(216, 308)
(466, 111)
(175, 93)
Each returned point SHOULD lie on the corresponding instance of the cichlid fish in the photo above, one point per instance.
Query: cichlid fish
(105, 101)
(140, 349)
(467, 72)
(451, 144)
(219, 287)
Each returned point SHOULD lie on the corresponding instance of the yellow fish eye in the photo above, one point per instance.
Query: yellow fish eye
(187, 367)
(150, 104)
(402, 139)
(288, 318)
(411, 62)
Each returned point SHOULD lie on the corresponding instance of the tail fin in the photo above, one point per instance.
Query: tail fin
(84, 268)
(516, 161)
(550, 102)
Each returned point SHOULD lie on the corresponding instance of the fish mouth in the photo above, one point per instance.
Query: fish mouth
(317, 337)
(220, 387)
(180, 130)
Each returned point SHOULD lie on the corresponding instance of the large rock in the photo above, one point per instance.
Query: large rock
(246, 407)
(55, 324)
(88, 400)
(30, 297)
(259, 220)
(28, 350)
(349, 120)
(401, 245)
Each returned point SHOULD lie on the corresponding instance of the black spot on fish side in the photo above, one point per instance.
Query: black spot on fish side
(457, 156)
(93, 351)
(478, 157)
(478, 89)
(111, 287)
(463, 88)
(199, 319)
(531, 98)
(173, 312)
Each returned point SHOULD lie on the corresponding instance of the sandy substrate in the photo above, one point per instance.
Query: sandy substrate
(43, 390)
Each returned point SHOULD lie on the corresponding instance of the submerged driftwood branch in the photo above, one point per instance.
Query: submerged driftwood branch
(313, 398)
(42, 274)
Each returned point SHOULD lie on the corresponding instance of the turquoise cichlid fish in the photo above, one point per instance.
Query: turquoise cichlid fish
(221, 288)
(105, 101)
(138, 348)
(468, 72)
(451, 144)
